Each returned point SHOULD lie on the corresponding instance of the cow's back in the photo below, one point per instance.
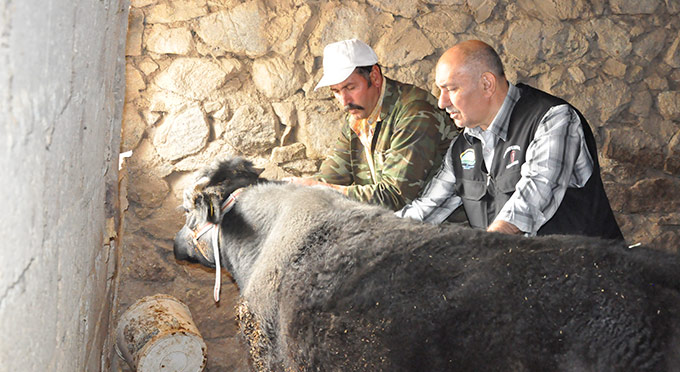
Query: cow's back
(378, 293)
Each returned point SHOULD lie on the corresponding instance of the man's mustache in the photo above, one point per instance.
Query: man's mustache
(352, 106)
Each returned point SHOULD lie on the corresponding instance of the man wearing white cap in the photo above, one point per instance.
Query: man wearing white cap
(394, 138)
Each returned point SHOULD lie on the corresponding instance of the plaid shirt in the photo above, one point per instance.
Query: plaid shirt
(557, 158)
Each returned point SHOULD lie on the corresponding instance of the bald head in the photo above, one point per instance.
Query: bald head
(472, 83)
(474, 55)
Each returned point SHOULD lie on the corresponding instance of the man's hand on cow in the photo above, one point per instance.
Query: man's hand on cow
(313, 182)
(503, 227)
(303, 181)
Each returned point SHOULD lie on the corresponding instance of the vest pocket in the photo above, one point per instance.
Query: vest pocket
(472, 190)
(472, 193)
(506, 182)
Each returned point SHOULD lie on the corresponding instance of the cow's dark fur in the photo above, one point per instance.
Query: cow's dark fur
(333, 285)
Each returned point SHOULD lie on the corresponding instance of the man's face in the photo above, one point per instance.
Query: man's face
(355, 96)
(462, 95)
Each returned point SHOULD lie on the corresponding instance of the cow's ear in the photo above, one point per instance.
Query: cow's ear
(201, 183)
(242, 165)
(257, 171)
(211, 212)
(248, 167)
(190, 193)
(214, 208)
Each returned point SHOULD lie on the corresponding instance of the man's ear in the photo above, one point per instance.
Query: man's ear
(376, 77)
(489, 82)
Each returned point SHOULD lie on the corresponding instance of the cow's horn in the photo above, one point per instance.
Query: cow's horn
(201, 184)
(191, 192)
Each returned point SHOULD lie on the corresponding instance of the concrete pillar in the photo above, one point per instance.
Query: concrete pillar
(61, 96)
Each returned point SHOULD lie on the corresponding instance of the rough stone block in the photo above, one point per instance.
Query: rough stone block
(301, 167)
(276, 77)
(241, 30)
(650, 45)
(148, 66)
(345, 21)
(165, 221)
(165, 40)
(403, 45)
(482, 9)
(134, 83)
(288, 30)
(563, 42)
(659, 195)
(634, 7)
(193, 78)
(133, 128)
(288, 153)
(142, 3)
(522, 36)
(656, 82)
(404, 8)
(577, 74)
(286, 113)
(183, 132)
(614, 68)
(560, 10)
(176, 11)
(143, 262)
(145, 157)
(669, 104)
(133, 46)
(641, 103)
(672, 57)
(147, 189)
(455, 21)
(215, 150)
(319, 124)
(251, 129)
(610, 98)
(612, 38)
(444, 2)
(632, 145)
(672, 164)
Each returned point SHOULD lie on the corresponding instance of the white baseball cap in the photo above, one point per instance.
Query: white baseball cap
(342, 57)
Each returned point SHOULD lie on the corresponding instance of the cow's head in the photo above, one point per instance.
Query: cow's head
(202, 204)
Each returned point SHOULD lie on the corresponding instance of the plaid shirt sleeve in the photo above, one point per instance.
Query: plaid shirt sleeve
(439, 198)
(556, 158)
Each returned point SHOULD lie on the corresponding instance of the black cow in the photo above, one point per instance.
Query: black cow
(329, 284)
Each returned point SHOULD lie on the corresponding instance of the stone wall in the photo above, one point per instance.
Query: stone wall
(61, 102)
(208, 78)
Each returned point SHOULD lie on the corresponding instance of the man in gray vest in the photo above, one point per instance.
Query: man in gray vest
(526, 162)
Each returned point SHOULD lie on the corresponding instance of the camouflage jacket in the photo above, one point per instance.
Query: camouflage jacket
(409, 144)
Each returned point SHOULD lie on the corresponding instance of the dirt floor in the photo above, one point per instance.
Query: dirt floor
(192, 284)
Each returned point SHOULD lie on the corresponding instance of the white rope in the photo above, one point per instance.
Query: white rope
(227, 205)
(216, 253)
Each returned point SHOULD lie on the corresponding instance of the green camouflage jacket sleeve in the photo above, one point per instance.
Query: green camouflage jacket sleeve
(410, 143)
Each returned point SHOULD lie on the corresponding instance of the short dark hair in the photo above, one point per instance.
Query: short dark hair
(365, 71)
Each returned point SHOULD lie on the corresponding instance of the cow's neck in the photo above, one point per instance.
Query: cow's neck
(269, 224)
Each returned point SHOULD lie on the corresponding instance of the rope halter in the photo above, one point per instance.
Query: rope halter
(227, 205)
